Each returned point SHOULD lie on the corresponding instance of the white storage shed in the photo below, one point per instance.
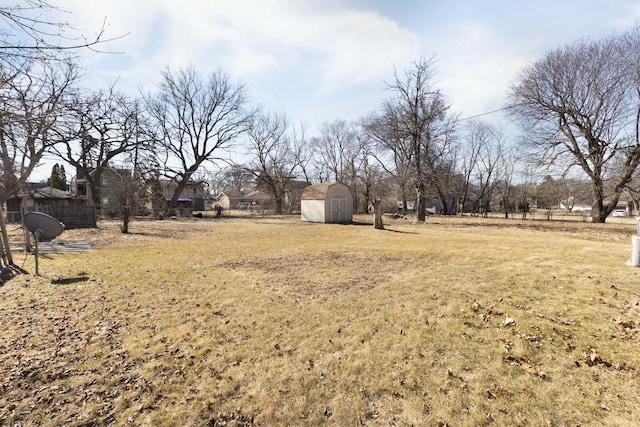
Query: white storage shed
(330, 202)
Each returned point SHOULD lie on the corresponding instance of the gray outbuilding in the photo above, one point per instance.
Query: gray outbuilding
(330, 202)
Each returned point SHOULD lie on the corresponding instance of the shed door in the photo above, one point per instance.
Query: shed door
(339, 210)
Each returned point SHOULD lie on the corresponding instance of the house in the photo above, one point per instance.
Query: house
(434, 206)
(330, 202)
(245, 201)
(72, 211)
(112, 183)
(259, 200)
(411, 205)
(191, 198)
(227, 200)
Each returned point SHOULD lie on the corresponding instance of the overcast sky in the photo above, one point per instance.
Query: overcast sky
(322, 60)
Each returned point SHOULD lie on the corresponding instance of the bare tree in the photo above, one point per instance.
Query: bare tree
(36, 30)
(334, 148)
(35, 71)
(195, 119)
(30, 108)
(304, 151)
(415, 112)
(440, 165)
(370, 177)
(97, 128)
(486, 174)
(569, 190)
(132, 189)
(392, 152)
(37, 46)
(526, 187)
(340, 155)
(507, 169)
(581, 107)
(468, 156)
(231, 179)
(273, 158)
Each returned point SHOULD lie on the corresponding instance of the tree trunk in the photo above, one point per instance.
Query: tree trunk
(377, 222)
(506, 202)
(598, 211)
(94, 184)
(485, 209)
(278, 205)
(404, 202)
(126, 216)
(420, 203)
(180, 186)
(444, 208)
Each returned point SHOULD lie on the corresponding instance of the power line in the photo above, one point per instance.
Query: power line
(485, 114)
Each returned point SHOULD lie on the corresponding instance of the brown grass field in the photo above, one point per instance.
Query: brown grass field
(275, 322)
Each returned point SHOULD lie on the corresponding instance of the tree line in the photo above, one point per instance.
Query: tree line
(578, 108)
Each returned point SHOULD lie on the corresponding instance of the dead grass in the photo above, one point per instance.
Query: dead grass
(271, 321)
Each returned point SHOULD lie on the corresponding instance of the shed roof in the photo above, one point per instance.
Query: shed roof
(317, 191)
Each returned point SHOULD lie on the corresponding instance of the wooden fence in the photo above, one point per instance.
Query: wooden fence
(74, 216)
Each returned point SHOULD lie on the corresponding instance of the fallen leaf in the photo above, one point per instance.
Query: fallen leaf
(533, 370)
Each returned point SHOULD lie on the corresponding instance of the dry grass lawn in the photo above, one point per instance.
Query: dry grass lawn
(275, 322)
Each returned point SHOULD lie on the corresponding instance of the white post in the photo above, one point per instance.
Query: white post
(36, 235)
(635, 247)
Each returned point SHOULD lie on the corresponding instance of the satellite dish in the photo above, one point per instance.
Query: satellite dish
(46, 226)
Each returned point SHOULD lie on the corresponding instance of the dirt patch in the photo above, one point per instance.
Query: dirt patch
(329, 275)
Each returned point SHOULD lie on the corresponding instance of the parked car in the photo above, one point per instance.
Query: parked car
(620, 213)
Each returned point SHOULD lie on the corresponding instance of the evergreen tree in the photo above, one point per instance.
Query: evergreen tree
(58, 178)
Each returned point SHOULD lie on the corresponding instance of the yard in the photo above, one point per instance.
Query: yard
(273, 321)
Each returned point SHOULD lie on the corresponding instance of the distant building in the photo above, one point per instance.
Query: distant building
(192, 197)
(112, 182)
(67, 208)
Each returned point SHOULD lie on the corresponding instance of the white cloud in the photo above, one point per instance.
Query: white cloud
(306, 54)
(321, 60)
(251, 39)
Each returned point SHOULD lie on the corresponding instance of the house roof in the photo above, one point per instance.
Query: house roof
(318, 191)
(231, 195)
(257, 195)
(37, 191)
(50, 193)
(193, 189)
